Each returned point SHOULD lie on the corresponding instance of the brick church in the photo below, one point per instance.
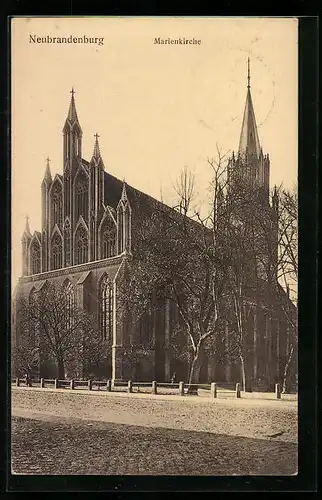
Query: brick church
(87, 238)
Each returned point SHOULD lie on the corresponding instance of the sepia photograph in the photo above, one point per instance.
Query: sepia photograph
(154, 223)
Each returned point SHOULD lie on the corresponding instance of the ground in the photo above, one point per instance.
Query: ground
(62, 432)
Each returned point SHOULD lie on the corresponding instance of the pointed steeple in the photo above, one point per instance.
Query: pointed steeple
(27, 228)
(124, 198)
(97, 157)
(96, 152)
(72, 132)
(72, 113)
(47, 176)
(249, 140)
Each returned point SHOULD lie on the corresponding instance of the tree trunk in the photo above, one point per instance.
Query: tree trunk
(193, 371)
(285, 376)
(60, 368)
(246, 383)
(243, 372)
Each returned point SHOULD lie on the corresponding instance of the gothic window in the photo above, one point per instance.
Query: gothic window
(34, 316)
(35, 258)
(81, 245)
(81, 197)
(67, 243)
(120, 219)
(57, 205)
(56, 252)
(108, 239)
(146, 326)
(106, 308)
(70, 302)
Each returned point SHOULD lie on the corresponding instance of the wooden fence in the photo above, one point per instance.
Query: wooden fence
(215, 390)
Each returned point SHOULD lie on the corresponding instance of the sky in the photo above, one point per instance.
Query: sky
(155, 107)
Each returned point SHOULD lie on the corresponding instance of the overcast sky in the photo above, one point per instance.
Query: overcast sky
(155, 107)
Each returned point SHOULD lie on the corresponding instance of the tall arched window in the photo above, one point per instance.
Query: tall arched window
(67, 243)
(106, 308)
(57, 205)
(108, 239)
(35, 257)
(81, 197)
(33, 306)
(56, 252)
(81, 244)
(70, 303)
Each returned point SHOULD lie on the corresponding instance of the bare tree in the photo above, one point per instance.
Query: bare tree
(62, 331)
(181, 259)
(288, 270)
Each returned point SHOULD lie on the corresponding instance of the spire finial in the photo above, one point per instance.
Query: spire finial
(96, 152)
(248, 73)
(72, 92)
(47, 161)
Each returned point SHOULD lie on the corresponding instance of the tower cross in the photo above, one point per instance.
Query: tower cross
(72, 91)
(96, 136)
(48, 160)
(248, 73)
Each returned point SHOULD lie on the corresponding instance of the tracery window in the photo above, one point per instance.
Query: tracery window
(81, 243)
(67, 243)
(33, 327)
(57, 205)
(35, 258)
(56, 252)
(70, 303)
(108, 241)
(81, 197)
(106, 308)
(146, 326)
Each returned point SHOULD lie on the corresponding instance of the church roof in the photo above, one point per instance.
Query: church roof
(141, 203)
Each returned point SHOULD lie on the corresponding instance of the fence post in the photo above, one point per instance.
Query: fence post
(42, 383)
(17, 382)
(154, 387)
(89, 384)
(56, 383)
(129, 386)
(237, 390)
(181, 388)
(213, 390)
(72, 384)
(109, 385)
(277, 391)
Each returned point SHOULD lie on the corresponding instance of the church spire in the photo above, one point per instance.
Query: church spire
(72, 113)
(97, 157)
(27, 228)
(249, 140)
(96, 152)
(72, 132)
(47, 176)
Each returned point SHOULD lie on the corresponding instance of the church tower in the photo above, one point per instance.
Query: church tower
(250, 166)
(72, 158)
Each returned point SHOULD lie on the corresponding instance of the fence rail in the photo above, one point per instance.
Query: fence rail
(215, 389)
